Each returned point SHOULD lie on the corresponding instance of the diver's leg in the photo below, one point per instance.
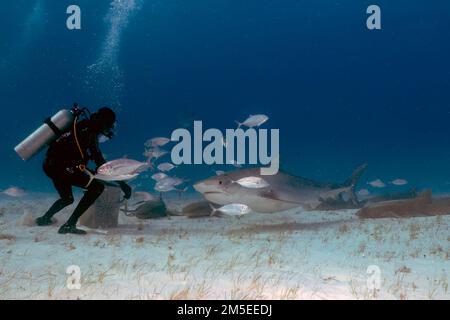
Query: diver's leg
(94, 190)
(66, 198)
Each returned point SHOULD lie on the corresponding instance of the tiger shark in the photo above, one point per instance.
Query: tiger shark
(284, 191)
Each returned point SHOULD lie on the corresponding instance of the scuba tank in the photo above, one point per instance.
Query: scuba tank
(49, 131)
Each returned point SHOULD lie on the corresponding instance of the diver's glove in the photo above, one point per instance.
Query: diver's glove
(126, 189)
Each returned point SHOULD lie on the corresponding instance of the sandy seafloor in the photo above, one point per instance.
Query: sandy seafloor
(286, 255)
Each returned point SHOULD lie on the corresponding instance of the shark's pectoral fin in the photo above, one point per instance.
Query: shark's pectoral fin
(269, 194)
(273, 195)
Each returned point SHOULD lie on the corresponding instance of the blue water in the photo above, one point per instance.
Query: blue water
(339, 93)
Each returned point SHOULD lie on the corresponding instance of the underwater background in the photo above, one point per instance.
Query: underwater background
(339, 93)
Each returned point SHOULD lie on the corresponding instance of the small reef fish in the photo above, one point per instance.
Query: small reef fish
(167, 188)
(155, 153)
(169, 184)
(252, 182)
(157, 142)
(363, 192)
(166, 166)
(159, 176)
(15, 192)
(122, 167)
(399, 182)
(377, 183)
(253, 121)
(233, 209)
(176, 181)
(121, 177)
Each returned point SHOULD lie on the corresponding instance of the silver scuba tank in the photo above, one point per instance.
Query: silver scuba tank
(48, 132)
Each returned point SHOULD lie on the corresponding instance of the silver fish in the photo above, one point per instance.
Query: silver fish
(165, 183)
(253, 121)
(157, 142)
(167, 187)
(177, 181)
(363, 192)
(166, 166)
(121, 177)
(377, 183)
(122, 167)
(14, 192)
(399, 182)
(170, 181)
(159, 176)
(155, 153)
(252, 182)
(232, 209)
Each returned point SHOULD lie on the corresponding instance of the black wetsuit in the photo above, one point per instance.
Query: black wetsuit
(62, 166)
(64, 157)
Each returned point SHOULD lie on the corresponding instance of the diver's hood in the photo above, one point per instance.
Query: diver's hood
(104, 120)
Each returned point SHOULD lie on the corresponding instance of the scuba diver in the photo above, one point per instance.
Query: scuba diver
(66, 161)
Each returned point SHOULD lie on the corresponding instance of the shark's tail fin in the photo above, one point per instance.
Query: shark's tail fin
(238, 124)
(357, 173)
(353, 180)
